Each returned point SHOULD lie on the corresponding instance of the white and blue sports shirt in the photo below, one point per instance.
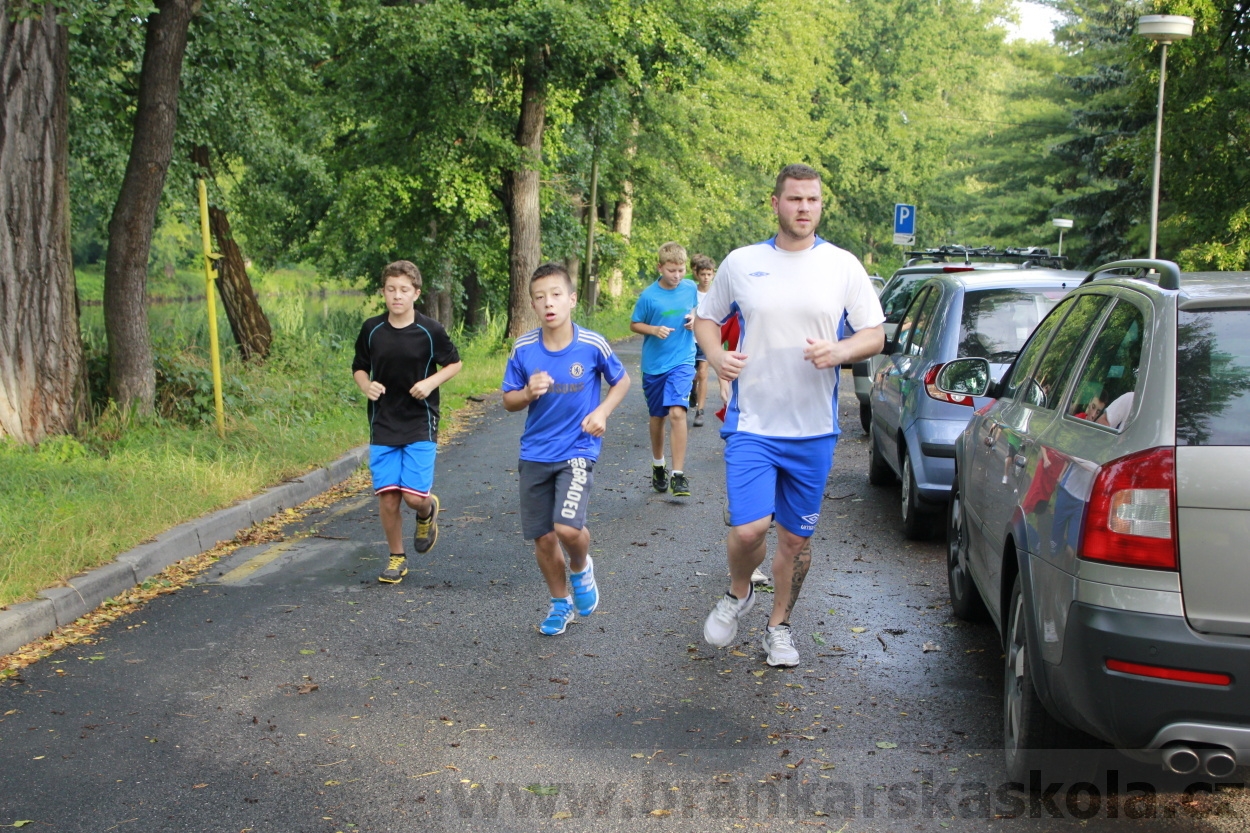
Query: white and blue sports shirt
(783, 298)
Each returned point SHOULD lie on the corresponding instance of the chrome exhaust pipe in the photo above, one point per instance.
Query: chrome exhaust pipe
(1218, 763)
(1180, 759)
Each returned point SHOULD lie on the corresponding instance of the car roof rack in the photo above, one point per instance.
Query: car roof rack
(1166, 273)
(1030, 256)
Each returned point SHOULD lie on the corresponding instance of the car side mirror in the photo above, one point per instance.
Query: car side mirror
(967, 377)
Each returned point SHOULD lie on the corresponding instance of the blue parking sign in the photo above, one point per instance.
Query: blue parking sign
(904, 218)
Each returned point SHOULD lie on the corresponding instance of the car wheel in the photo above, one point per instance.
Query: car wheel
(879, 471)
(966, 602)
(865, 417)
(917, 522)
(1032, 738)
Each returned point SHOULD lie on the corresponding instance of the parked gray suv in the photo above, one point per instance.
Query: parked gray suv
(1100, 515)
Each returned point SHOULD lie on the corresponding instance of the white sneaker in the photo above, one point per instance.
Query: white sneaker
(779, 644)
(722, 623)
(758, 577)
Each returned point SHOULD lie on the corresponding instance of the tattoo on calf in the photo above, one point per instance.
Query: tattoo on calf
(802, 562)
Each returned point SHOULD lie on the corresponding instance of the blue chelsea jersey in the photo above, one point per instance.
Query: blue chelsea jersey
(553, 424)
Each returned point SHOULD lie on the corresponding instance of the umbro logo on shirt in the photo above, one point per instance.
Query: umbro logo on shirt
(758, 274)
(812, 519)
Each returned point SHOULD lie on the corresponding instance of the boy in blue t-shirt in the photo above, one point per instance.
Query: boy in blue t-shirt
(664, 316)
(554, 372)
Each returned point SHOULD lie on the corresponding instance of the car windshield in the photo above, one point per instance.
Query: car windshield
(997, 322)
(1213, 377)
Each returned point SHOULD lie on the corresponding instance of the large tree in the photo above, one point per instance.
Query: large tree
(132, 376)
(42, 383)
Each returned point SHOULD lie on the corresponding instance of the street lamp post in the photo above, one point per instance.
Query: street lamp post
(1163, 29)
(1063, 225)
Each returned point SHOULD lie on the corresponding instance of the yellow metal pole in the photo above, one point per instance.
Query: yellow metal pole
(214, 352)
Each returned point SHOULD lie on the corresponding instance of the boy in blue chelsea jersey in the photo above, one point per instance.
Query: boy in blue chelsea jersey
(664, 317)
(554, 372)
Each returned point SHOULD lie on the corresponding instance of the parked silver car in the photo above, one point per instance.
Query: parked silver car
(914, 426)
(1101, 514)
(897, 293)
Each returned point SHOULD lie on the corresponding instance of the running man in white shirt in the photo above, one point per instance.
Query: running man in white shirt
(781, 425)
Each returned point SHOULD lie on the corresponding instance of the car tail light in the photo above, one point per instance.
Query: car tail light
(1160, 672)
(950, 269)
(931, 388)
(1130, 518)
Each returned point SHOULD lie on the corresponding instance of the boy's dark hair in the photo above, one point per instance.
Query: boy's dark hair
(795, 171)
(403, 269)
(553, 268)
(700, 262)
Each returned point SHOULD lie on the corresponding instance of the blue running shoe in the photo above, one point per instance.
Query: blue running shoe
(558, 619)
(585, 590)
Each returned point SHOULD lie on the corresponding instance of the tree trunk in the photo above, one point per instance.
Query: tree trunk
(43, 387)
(132, 378)
(521, 186)
(474, 299)
(247, 319)
(623, 219)
(446, 316)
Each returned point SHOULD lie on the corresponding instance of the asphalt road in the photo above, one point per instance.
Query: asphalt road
(289, 691)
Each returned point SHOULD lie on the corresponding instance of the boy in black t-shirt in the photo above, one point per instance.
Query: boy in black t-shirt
(395, 353)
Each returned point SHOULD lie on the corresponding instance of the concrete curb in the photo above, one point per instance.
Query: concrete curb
(58, 606)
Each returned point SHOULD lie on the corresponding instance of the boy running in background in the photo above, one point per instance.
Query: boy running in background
(395, 353)
(554, 372)
(664, 318)
(704, 270)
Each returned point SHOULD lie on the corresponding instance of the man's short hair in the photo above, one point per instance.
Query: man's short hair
(403, 269)
(700, 263)
(672, 252)
(795, 171)
(553, 268)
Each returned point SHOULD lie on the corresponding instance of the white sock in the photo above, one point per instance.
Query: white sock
(677, 471)
(658, 462)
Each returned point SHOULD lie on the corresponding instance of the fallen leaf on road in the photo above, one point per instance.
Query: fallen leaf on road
(661, 812)
(931, 646)
(199, 786)
(563, 814)
(858, 630)
(759, 673)
(737, 653)
(818, 639)
(539, 789)
(637, 755)
(307, 651)
(885, 744)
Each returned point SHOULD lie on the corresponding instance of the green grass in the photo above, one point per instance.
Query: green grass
(74, 503)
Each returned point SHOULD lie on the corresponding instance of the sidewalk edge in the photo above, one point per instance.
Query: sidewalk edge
(24, 623)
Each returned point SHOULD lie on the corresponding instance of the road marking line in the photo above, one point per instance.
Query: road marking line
(271, 554)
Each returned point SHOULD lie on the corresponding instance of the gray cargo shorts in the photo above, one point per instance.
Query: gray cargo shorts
(554, 493)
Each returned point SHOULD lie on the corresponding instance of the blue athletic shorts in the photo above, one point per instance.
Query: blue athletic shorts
(698, 354)
(766, 476)
(405, 468)
(664, 390)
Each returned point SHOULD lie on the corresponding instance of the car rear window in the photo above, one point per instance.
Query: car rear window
(1213, 377)
(997, 322)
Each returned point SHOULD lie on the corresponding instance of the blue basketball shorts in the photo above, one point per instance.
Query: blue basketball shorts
(405, 468)
(777, 476)
(664, 390)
